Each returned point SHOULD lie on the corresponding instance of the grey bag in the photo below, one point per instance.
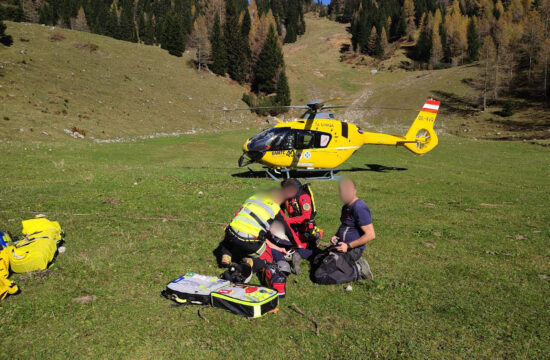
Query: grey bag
(193, 288)
(332, 267)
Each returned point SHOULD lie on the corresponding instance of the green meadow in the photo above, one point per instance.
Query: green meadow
(461, 258)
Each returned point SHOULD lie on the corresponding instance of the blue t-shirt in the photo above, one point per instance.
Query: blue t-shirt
(353, 217)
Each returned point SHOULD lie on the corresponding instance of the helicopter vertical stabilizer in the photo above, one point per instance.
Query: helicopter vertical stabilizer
(421, 134)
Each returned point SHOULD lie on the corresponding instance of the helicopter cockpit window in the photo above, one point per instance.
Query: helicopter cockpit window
(324, 140)
(272, 139)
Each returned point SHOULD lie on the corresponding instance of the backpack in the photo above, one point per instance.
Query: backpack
(193, 288)
(243, 299)
(38, 246)
(333, 267)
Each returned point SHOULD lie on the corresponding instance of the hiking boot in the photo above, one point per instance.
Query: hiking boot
(246, 270)
(226, 261)
(364, 269)
(296, 259)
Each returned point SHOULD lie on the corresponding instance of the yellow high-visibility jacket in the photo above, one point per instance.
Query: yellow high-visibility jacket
(255, 216)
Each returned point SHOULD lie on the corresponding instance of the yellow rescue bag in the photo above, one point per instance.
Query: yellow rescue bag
(7, 287)
(37, 249)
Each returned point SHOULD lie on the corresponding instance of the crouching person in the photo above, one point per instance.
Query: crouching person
(245, 237)
(342, 261)
(246, 243)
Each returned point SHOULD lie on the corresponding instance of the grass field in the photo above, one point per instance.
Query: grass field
(461, 257)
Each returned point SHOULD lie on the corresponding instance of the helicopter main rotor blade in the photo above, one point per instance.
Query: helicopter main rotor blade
(368, 108)
(259, 108)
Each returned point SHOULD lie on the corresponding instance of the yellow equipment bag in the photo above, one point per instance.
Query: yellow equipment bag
(37, 249)
(7, 287)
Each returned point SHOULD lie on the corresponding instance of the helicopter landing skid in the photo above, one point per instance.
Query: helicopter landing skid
(284, 173)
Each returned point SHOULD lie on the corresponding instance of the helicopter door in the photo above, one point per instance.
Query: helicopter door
(305, 139)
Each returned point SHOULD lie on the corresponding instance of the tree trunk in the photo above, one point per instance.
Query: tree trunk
(529, 71)
(485, 87)
(495, 92)
(545, 83)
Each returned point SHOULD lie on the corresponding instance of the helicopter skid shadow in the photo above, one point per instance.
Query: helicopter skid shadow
(377, 168)
(251, 174)
(261, 174)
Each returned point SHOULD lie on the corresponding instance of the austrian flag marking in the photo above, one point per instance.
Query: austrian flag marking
(431, 106)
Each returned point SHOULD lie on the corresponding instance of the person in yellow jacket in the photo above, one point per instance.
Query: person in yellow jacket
(246, 234)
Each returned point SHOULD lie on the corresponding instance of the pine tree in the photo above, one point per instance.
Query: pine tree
(112, 27)
(217, 44)
(269, 62)
(424, 43)
(401, 27)
(473, 41)
(283, 91)
(246, 25)
(533, 38)
(437, 49)
(6, 40)
(372, 41)
(148, 35)
(436, 53)
(456, 33)
(173, 37)
(488, 55)
(408, 7)
(80, 22)
(237, 62)
(127, 26)
(545, 57)
(199, 40)
(45, 15)
(383, 42)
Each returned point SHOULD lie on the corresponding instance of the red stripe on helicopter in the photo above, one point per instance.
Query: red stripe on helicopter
(433, 102)
(431, 106)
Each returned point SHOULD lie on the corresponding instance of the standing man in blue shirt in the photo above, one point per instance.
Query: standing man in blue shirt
(342, 262)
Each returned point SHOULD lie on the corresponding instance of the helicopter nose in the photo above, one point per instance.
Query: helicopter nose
(245, 146)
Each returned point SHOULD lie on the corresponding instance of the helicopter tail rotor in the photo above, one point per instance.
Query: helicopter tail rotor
(421, 137)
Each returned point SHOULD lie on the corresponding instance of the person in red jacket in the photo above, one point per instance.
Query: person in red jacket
(300, 211)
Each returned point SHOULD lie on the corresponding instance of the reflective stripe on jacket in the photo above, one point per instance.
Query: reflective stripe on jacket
(255, 216)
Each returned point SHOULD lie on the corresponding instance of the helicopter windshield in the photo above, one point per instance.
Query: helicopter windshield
(272, 139)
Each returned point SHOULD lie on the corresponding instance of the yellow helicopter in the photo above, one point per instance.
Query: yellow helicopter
(319, 143)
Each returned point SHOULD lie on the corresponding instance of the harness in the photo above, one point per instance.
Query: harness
(294, 203)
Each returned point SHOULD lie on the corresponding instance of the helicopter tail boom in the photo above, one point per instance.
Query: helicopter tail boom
(421, 137)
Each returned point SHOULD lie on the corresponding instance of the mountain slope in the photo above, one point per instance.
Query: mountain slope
(315, 71)
(55, 79)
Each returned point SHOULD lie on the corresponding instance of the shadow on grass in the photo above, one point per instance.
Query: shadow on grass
(454, 104)
(261, 174)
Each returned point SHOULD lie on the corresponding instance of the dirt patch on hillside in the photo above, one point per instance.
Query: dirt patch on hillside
(294, 49)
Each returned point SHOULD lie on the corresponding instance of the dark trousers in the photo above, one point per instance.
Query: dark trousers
(239, 249)
(333, 267)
